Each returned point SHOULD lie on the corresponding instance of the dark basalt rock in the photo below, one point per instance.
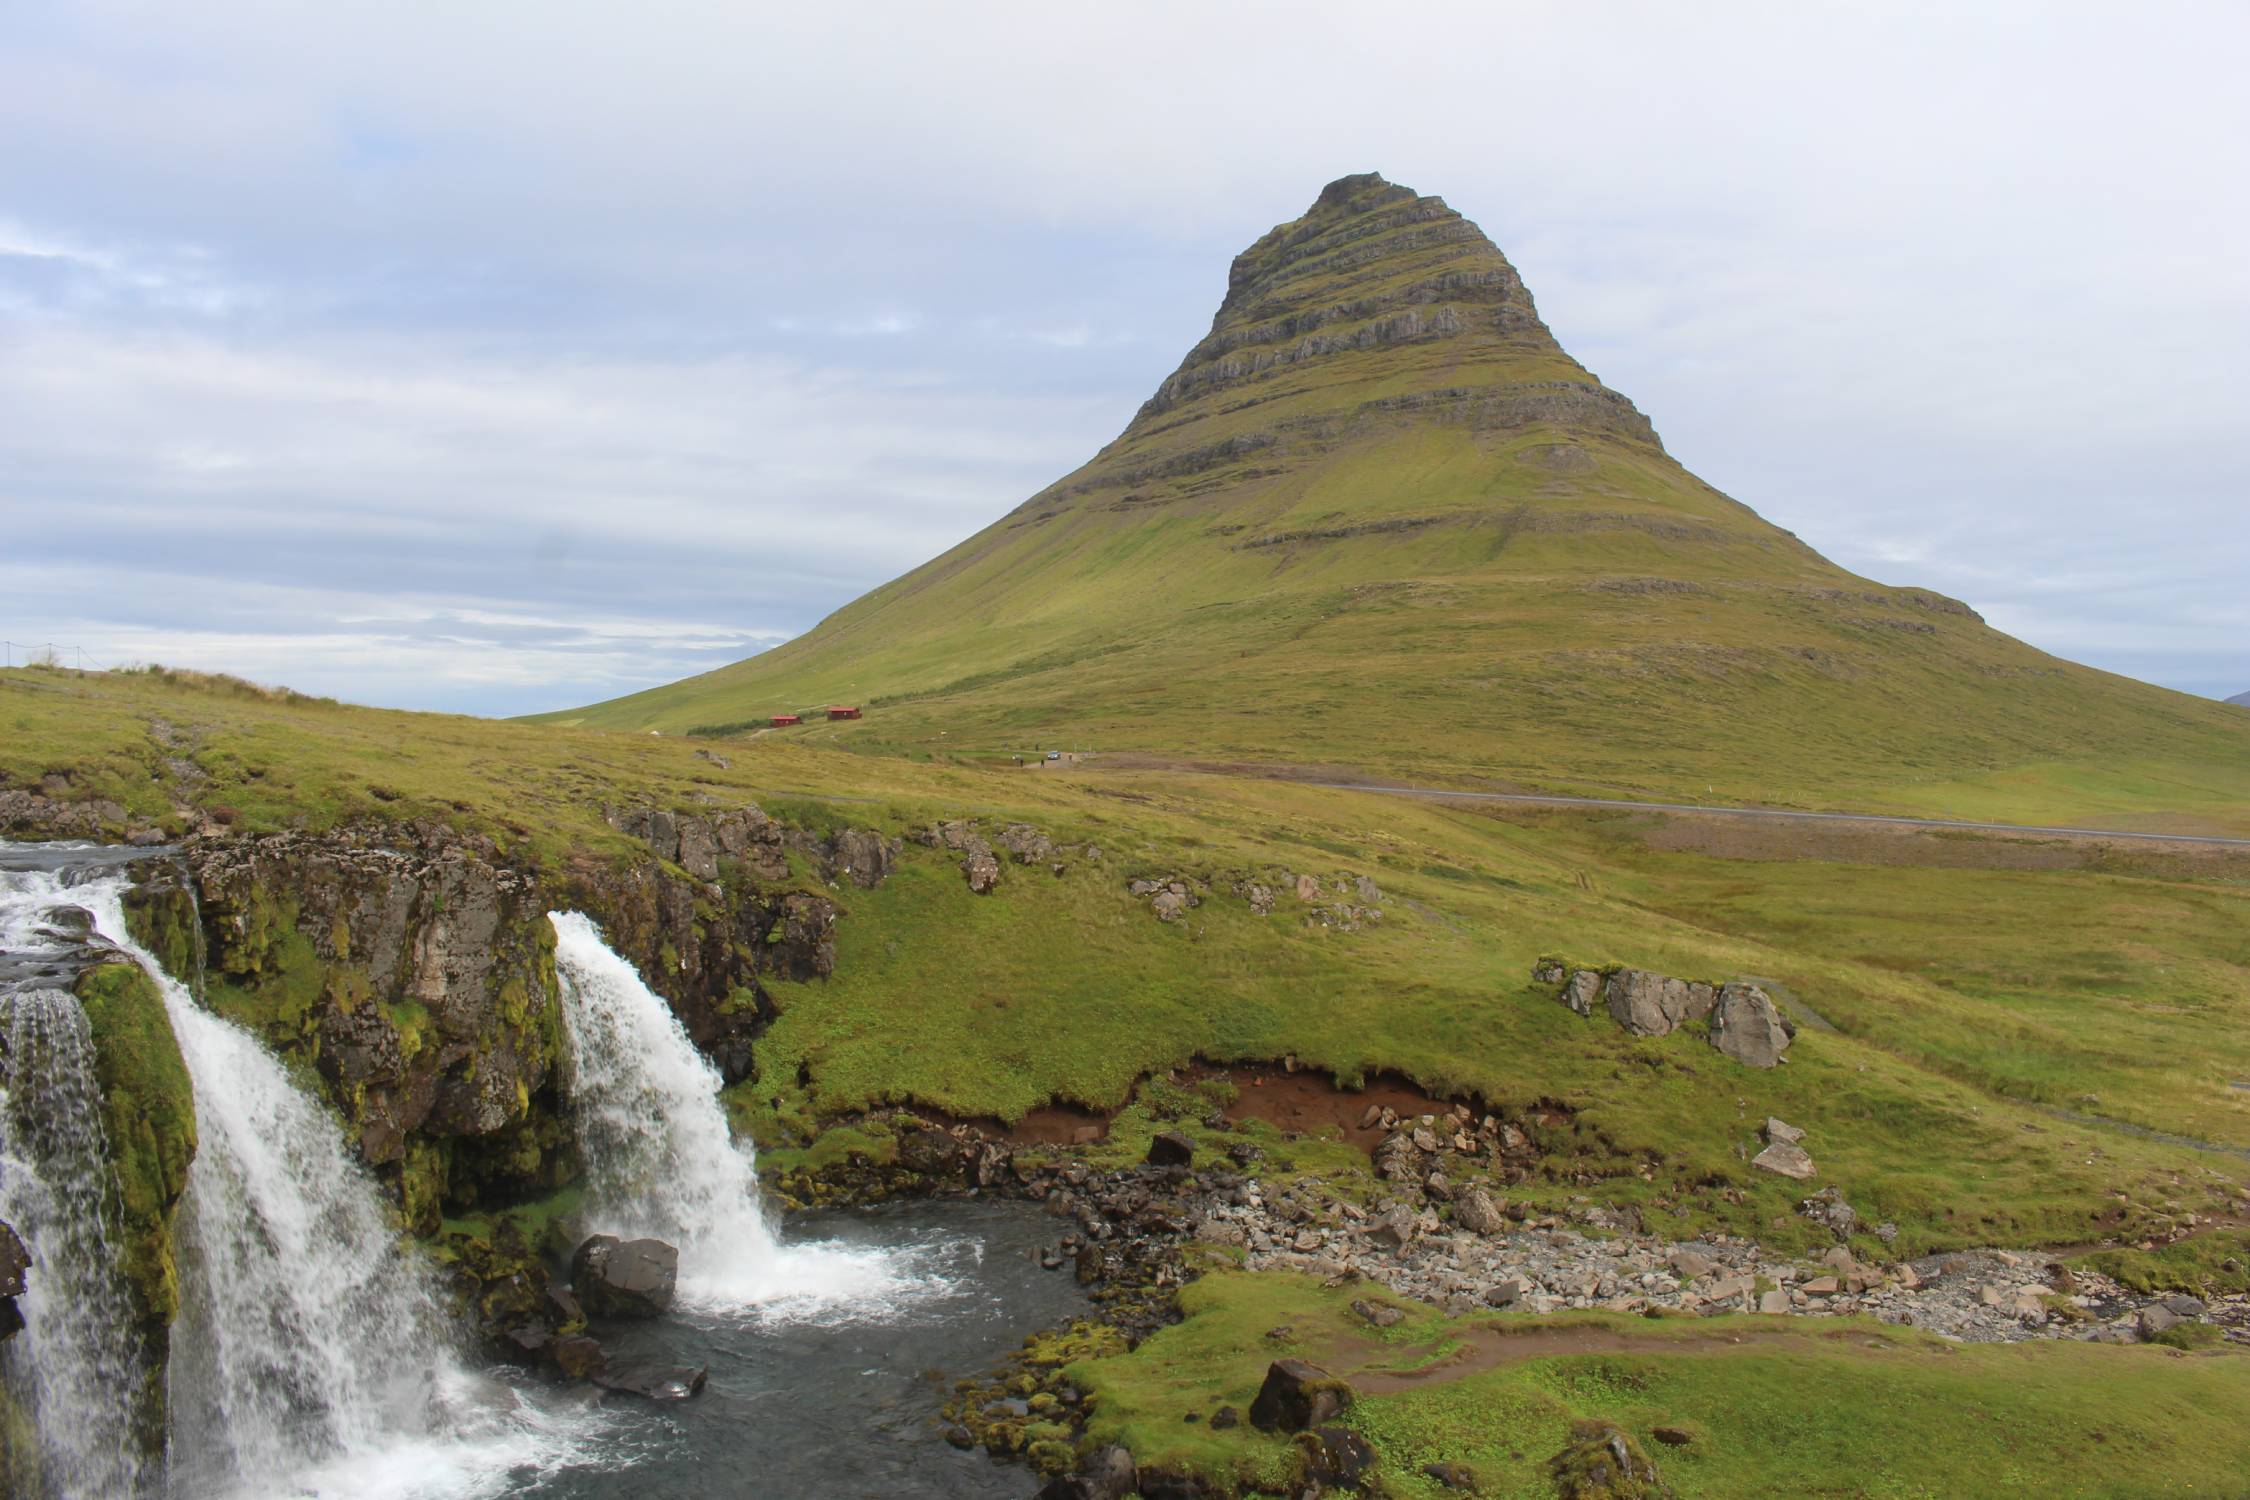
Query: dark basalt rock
(1107, 1474)
(1297, 1396)
(616, 1278)
(651, 1381)
(1170, 1149)
(15, 1260)
(1601, 1462)
(577, 1357)
(1337, 1456)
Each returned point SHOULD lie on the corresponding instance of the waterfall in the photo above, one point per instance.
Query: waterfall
(661, 1162)
(78, 1362)
(311, 1356)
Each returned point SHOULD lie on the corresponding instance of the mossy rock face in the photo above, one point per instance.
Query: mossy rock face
(148, 1108)
(160, 912)
(414, 988)
(1603, 1462)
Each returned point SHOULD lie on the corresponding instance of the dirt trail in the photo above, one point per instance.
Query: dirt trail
(1323, 777)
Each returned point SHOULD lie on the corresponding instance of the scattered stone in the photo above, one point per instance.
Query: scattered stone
(1584, 988)
(2157, 1318)
(1475, 1210)
(981, 870)
(1688, 1263)
(1395, 1230)
(616, 1278)
(1452, 1476)
(1602, 1463)
(1297, 1396)
(1381, 1314)
(1337, 1456)
(1746, 1027)
(1782, 1130)
(1787, 1158)
(1673, 1437)
(1169, 1148)
(1648, 1004)
(1225, 1417)
(1105, 1474)
(1828, 1207)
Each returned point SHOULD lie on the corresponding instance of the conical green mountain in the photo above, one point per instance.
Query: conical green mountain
(1379, 519)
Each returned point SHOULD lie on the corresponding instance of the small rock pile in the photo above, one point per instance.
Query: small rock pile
(1742, 1019)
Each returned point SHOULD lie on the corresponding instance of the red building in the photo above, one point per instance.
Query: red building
(843, 713)
(783, 721)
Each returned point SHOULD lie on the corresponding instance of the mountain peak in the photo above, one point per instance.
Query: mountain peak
(1377, 293)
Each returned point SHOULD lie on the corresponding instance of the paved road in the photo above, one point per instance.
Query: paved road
(1537, 800)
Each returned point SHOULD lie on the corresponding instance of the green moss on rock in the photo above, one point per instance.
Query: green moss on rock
(149, 1108)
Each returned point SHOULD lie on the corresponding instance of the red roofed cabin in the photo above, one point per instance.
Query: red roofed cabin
(843, 713)
(783, 721)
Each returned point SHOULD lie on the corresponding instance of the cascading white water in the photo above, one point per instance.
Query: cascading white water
(78, 1361)
(310, 1357)
(661, 1162)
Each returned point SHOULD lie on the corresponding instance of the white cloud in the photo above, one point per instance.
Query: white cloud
(1956, 293)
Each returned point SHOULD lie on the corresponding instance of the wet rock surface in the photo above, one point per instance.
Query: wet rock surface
(615, 1278)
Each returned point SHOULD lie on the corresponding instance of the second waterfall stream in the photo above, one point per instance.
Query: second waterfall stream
(661, 1162)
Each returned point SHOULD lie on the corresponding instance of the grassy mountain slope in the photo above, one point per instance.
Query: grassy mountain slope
(1379, 518)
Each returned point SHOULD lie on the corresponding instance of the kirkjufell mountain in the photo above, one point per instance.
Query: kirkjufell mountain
(1379, 518)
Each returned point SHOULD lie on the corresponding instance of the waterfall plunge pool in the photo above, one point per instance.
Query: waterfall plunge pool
(312, 1360)
(835, 1402)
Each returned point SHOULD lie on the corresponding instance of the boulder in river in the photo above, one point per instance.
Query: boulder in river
(1106, 1474)
(616, 1278)
(653, 1381)
(576, 1355)
(1297, 1396)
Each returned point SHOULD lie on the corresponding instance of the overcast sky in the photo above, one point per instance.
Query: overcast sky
(506, 355)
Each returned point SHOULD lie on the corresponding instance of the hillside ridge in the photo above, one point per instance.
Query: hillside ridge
(1378, 517)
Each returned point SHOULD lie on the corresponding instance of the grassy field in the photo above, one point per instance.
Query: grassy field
(1843, 1408)
(1457, 560)
(1957, 1077)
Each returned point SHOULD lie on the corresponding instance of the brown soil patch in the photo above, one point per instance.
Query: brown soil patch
(1048, 1125)
(1306, 1102)
(1309, 1103)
